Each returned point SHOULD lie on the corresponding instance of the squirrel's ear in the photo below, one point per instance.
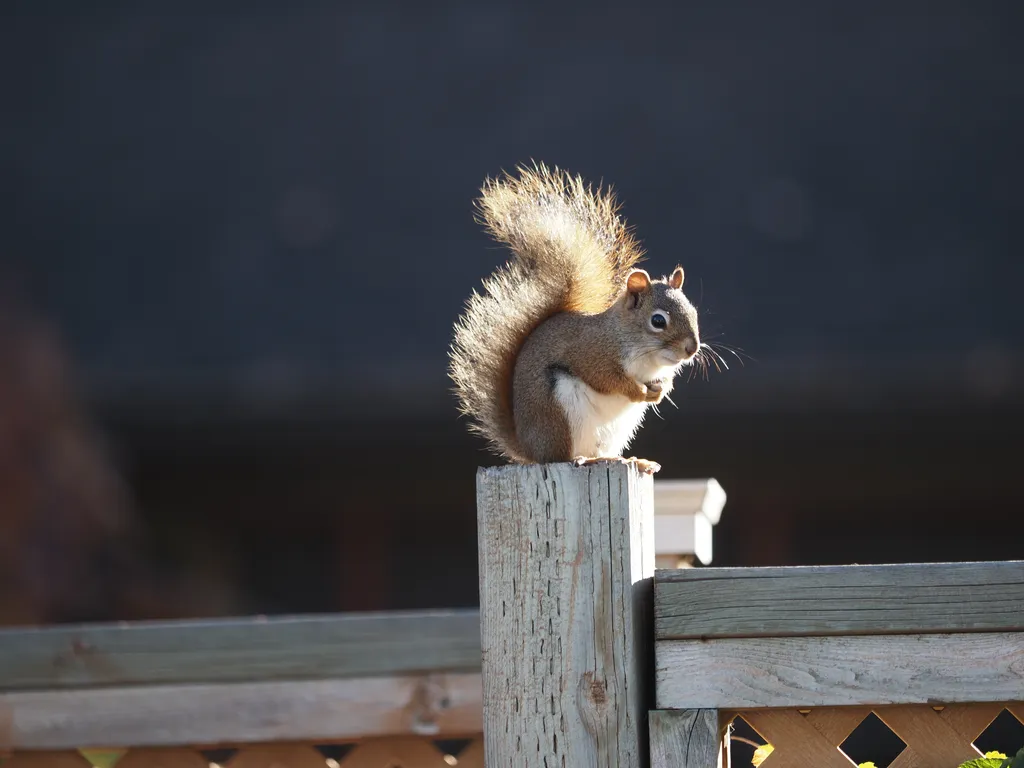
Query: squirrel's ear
(637, 282)
(676, 279)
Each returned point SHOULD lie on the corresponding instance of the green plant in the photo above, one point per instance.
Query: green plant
(1017, 760)
(996, 760)
(990, 759)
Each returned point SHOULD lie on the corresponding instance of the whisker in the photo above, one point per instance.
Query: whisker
(711, 357)
(716, 356)
(695, 368)
(736, 352)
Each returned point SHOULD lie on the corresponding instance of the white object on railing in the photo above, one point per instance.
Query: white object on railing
(685, 513)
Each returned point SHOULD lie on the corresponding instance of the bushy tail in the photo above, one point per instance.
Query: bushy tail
(570, 252)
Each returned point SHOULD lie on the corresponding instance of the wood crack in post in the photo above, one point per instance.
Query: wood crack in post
(574, 583)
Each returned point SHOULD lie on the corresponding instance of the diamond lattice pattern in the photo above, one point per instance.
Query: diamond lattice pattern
(934, 736)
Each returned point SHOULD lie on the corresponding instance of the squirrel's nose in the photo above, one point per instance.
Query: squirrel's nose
(690, 345)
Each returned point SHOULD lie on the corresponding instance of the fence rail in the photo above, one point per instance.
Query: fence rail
(839, 600)
(247, 681)
(239, 650)
(804, 655)
(582, 656)
(364, 685)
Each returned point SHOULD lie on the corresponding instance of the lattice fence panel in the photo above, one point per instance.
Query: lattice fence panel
(934, 736)
(398, 752)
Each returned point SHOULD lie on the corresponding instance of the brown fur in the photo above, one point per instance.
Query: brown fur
(592, 348)
(571, 252)
(569, 302)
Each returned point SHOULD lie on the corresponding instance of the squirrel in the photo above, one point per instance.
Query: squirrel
(569, 344)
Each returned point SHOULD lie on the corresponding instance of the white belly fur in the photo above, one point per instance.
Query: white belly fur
(601, 425)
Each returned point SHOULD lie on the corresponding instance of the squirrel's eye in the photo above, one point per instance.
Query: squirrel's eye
(659, 321)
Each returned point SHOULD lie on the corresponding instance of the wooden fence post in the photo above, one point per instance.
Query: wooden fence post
(566, 560)
(685, 738)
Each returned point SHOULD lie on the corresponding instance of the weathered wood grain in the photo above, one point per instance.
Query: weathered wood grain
(836, 724)
(686, 738)
(797, 742)
(184, 715)
(928, 736)
(908, 758)
(249, 650)
(839, 671)
(566, 556)
(970, 720)
(869, 599)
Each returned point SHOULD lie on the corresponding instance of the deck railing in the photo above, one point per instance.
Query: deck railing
(590, 656)
(805, 655)
(359, 691)
(582, 656)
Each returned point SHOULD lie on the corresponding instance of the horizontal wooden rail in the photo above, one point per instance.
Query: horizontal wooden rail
(237, 650)
(839, 671)
(235, 713)
(839, 600)
(241, 681)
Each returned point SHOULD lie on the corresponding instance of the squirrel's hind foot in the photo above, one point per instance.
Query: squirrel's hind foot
(644, 465)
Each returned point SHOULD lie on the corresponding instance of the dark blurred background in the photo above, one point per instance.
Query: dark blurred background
(234, 241)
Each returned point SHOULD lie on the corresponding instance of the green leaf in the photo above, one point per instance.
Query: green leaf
(996, 760)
